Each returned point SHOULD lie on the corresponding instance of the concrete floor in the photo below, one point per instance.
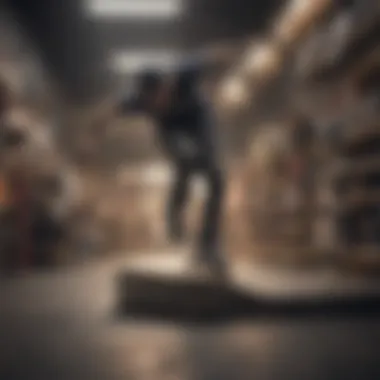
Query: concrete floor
(61, 326)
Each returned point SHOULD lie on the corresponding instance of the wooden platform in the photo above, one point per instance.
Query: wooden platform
(167, 285)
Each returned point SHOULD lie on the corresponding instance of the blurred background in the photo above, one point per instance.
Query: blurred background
(297, 96)
(297, 100)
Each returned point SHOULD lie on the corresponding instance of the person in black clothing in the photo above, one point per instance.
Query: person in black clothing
(186, 132)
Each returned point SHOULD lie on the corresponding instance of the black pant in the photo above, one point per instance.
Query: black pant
(203, 162)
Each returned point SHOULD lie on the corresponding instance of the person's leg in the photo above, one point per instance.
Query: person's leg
(177, 199)
(210, 250)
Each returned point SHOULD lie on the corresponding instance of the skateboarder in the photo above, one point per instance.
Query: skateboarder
(186, 132)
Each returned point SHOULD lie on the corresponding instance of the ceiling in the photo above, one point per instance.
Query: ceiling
(208, 21)
(142, 28)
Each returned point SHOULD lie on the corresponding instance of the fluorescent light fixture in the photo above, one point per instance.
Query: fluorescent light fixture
(134, 9)
(130, 62)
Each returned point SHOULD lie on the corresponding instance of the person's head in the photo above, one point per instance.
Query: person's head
(154, 90)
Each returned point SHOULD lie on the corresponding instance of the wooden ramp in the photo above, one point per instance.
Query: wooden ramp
(167, 285)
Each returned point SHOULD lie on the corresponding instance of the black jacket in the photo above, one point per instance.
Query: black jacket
(190, 114)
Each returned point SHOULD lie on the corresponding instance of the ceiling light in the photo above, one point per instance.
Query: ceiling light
(142, 9)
